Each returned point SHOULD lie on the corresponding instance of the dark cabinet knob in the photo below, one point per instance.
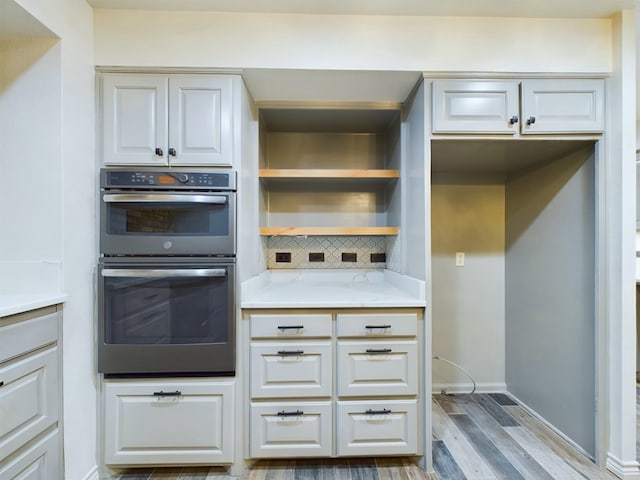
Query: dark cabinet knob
(172, 152)
(513, 120)
(159, 152)
(531, 120)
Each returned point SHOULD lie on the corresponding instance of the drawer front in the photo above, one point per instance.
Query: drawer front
(22, 337)
(377, 428)
(144, 425)
(28, 398)
(290, 326)
(291, 369)
(290, 429)
(377, 325)
(377, 368)
(42, 461)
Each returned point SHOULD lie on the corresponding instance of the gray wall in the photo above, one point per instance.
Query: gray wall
(550, 293)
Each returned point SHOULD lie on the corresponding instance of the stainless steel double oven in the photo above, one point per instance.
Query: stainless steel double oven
(166, 274)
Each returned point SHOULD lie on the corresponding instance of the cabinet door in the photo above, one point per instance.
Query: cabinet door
(28, 398)
(201, 120)
(471, 106)
(290, 429)
(134, 119)
(562, 106)
(377, 428)
(377, 368)
(291, 369)
(168, 422)
(41, 461)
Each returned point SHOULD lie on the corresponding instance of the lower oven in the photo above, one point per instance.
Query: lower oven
(166, 316)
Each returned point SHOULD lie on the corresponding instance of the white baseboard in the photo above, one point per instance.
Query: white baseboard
(92, 474)
(624, 470)
(466, 387)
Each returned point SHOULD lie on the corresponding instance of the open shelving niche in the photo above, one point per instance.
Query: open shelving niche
(330, 171)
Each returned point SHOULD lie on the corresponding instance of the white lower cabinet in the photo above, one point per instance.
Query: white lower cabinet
(168, 422)
(316, 393)
(31, 395)
(377, 427)
(291, 429)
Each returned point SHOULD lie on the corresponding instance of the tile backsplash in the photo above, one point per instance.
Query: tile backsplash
(336, 252)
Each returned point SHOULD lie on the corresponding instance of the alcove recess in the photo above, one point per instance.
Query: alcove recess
(330, 171)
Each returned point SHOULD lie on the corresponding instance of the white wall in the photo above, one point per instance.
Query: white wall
(210, 39)
(468, 301)
(73, 167)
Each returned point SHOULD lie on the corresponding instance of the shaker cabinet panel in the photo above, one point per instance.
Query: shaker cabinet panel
(200, 129)
(290, 429)
(377, 368)
(377, 428)
(475, 106)
(283, 326)
(168, 422)
(134, 119)
(294, 369)
(41, 461)
(28, 398)
(562, 106)
(377, 325)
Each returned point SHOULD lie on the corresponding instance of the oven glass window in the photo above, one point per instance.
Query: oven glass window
(148, 310)
(175, 219)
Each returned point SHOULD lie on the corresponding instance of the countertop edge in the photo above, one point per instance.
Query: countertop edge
(13, 304)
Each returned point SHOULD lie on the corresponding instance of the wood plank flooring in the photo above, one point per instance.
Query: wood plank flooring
(475, 437)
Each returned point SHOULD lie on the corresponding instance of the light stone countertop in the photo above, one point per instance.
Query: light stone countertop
(14, 303)
(332, 288)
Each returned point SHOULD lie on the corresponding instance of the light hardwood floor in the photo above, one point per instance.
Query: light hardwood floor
(475, 437)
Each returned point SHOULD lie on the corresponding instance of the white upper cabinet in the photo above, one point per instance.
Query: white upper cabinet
(512, 107)
(167, 119)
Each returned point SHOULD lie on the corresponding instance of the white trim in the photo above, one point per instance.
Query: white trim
(92, 474)
(624, 470)
(466, 387)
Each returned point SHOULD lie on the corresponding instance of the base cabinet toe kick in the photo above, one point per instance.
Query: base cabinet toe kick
(335, 383)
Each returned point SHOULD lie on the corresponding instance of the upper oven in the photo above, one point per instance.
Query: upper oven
(166, 212)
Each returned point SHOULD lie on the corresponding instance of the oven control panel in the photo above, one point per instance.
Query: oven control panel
(171, 180)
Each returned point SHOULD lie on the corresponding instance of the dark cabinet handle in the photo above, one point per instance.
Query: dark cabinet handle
(177, 393)
(373, 351)
(372, 327)
(531, 120)
(295, 413)
(172, 152)
(159, 152)
(290, 327)
(1, 384)
(290, 353)
(514, 119)
(384, 411)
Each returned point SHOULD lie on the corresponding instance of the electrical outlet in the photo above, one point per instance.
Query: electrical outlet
(283, 257)
(378, 258)
(316, 257)
(349, 257)
(459, 259)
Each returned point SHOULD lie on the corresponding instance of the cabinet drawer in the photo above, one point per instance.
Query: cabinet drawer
(377, 428)
(377, 325)
(290, 429)
(377, 368)
(42, 461)
(28, 398)
(290, 326)
(291, 369)
(22, 337)
(144, 425)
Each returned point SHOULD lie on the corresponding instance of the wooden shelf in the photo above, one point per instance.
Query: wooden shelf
(328, 173)
(301, 231)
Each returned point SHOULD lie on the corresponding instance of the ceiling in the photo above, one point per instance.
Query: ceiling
(481, 8)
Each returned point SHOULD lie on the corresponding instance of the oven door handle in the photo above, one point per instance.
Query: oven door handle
(164, 273)
(163, 198)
